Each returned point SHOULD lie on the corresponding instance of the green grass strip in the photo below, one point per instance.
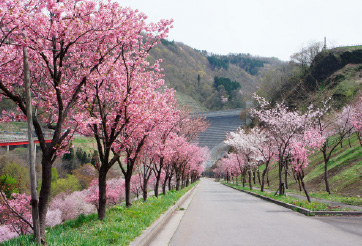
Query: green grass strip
(120, 227)
(313, 206)
(356, 201)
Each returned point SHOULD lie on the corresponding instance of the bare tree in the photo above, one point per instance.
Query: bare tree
(307, 54)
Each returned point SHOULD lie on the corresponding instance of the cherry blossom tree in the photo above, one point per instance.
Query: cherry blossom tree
(72, 45)
(245, 146)
(115, 192)
(283, 125)
(16, 213)
(301, 148)
(265, 147)
(152, 114)
(334, 127)
(119, 98)
(232, 165)
(145, 170)
(357, 118)
(197, 163)
(161, 149)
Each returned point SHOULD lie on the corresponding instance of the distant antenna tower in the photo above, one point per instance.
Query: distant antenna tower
(325, 43)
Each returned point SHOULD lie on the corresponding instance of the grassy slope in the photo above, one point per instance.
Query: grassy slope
(343, 86)
(345, 171)
(334, 74)
(120, 226)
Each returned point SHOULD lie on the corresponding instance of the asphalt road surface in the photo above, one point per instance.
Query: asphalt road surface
(219, 215)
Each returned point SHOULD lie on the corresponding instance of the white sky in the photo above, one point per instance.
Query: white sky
(260, 27)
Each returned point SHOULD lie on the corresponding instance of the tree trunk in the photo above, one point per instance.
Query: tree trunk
(250, 185)
(254, 177)
(359, 138)
(259, 177)
(262, 180)
(177, 182)
(164, 186)
(300, 186)
(169, 183)
(286, 175)
(31, 149)
(145, 193)
(158, 177)
(281, 185)
(326, 176)
(44, 194)
(102, 186)
(127, 180)
(304, 188)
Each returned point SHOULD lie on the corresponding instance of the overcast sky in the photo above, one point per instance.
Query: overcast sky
(260, 27)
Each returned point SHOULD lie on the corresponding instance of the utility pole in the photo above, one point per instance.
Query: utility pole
(31, 153)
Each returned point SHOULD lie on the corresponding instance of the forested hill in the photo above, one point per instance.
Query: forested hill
(332, 73)
(206, 81)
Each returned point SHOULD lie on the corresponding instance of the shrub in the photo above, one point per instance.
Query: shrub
(54, 217)
(6, 233)
(8, 185)
(69, 184)
(20, 174)
(85, 174)
(72, 205)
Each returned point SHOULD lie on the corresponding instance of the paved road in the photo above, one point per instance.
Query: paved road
(222, 216)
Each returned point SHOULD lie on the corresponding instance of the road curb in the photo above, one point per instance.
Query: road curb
(298, 209)
(151, 231)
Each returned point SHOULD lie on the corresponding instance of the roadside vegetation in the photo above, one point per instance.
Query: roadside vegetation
(121, 225)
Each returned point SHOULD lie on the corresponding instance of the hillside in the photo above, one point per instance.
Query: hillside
(345, 171)
(334, 73)
(191, 73)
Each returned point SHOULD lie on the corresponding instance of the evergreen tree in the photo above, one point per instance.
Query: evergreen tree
(95, 159)
(68, 161)
(79, 154)
(84, 158)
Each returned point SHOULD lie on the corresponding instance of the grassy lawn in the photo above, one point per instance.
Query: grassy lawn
(313, 206)
(120, 226)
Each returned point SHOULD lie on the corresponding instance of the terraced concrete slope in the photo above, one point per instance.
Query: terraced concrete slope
(221, 123)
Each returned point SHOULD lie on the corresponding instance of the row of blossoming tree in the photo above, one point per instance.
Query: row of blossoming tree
(90, 75)
(287, 138)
